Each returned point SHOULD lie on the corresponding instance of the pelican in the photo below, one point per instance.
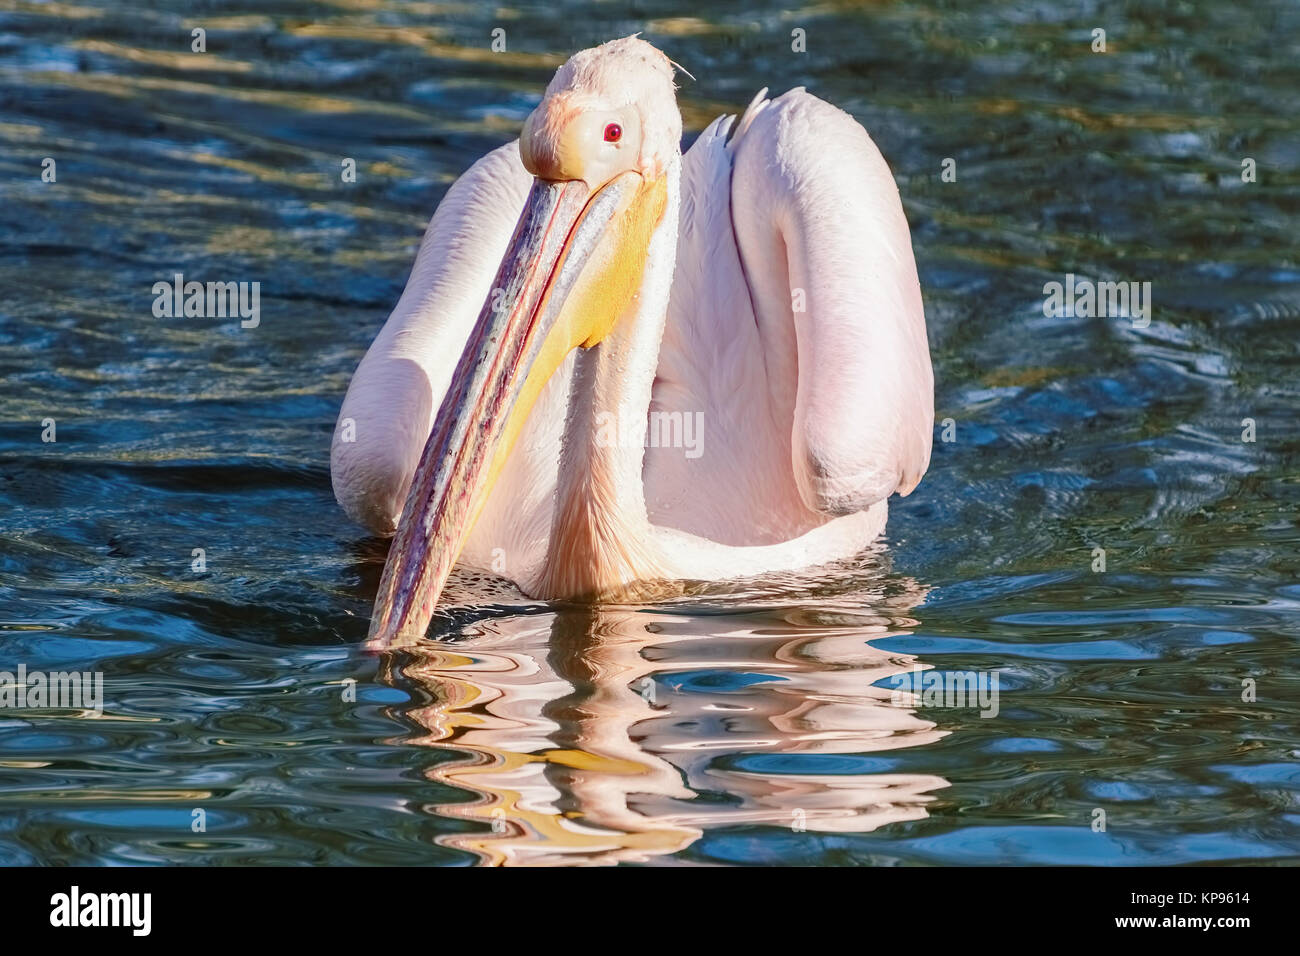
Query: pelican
(589, 282)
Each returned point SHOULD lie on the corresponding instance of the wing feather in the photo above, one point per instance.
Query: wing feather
(828, 255)
(401, 381)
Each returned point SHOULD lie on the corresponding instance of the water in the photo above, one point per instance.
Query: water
(756, 726)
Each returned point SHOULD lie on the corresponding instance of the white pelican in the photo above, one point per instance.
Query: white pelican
(588, 279)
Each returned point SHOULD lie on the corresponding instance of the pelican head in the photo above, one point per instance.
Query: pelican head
(601, 146)
(608, 110)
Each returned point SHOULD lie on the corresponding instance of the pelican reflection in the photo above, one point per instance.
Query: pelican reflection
(615, 734)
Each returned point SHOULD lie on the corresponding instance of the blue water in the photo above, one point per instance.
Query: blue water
(770, 724)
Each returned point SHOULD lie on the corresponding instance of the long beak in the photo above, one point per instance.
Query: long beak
(561, 225)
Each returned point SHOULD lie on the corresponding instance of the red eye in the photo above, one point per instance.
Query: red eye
(613, 133)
